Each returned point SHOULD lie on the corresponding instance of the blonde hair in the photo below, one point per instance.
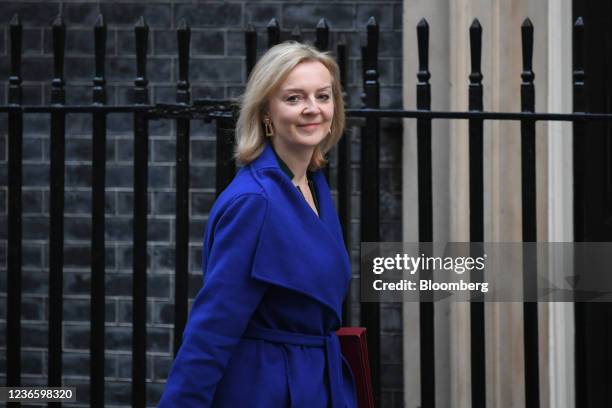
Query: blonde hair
(269, 72)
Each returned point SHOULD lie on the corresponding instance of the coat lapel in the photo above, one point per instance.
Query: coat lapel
(298, 250)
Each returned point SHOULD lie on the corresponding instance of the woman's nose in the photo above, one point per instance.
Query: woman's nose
(311, 106)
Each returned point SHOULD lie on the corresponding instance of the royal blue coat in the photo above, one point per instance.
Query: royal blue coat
(261, 332)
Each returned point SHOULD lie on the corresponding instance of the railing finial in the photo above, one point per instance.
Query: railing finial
(16, 37)
(578, 62)
(296, 34)
(423, 48)
(141, 31)
(322, 33)
(100, 21)
(15, 20)
(475, 51)
(273, 32)
(250, 45)
(59, 45)
(183, 94)
(527, 43)
(59, 20)
(99, 93)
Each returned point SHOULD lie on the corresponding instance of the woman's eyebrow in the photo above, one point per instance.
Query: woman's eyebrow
(301, 90)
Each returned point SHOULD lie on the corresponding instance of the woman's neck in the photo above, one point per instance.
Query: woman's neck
(297, 160)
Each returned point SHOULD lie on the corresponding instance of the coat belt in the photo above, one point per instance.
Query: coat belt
(329, 343)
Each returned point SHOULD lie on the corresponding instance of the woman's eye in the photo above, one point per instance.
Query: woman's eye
(324, 97)
(293, 98)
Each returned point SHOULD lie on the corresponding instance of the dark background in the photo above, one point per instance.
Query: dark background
(217, 71)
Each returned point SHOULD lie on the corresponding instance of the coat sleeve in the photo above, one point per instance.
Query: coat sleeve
(222, 308)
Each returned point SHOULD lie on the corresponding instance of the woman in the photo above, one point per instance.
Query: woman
(261, 332)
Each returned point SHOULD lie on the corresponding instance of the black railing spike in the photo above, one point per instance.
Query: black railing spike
(578, 62)
(527, 43)
(296, 34)
(16, 41)
(141, 31)
(273, 29)
(15, 20)
(183, 37)
(527, 23)
(250, 43)
(100, 21)
(59, 20)
(16, 38)
(322, 34)
(578, 44)
(59, 45)
(579, 21)
(99, 94)
(423, 48)
(371, 54)
(475, 51)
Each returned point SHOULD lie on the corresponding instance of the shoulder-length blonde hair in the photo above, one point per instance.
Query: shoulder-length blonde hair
(269, 72)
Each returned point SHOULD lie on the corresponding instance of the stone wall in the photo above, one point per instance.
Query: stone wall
(217, 71)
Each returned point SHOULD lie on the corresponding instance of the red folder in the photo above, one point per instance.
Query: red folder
(355, 349)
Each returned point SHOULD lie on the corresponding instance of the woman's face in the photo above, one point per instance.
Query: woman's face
(301, 109)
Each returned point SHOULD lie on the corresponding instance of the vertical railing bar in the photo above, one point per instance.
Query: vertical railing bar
(322, 35)
(225, 165)
(344, 170)
(528, 182)
(141, 147)
(580, 208)
(56, 207)
(250, 45)
(14, 245)
(370, 190)
(426, 306)
(476, 180)
(98, 246)
(183, 97)
(296, 34)
(273, 30)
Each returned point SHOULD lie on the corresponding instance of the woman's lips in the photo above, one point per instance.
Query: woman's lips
(309, 125)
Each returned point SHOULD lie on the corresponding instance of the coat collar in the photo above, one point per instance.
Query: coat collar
(269, 158)
(283, 166)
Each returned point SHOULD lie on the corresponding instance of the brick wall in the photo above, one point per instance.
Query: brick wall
(217, 71)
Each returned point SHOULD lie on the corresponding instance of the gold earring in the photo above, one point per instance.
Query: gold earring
(268, 127)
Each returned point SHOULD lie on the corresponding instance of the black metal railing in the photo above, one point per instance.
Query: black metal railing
(183, 111)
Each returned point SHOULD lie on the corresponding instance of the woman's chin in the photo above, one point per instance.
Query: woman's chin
(310, 139)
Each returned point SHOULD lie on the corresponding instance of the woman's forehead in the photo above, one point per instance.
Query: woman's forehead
(307, 75)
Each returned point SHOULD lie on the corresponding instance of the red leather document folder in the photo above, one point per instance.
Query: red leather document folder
(355, 349)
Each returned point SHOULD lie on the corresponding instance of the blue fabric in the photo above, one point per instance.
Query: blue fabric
(261, 332)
